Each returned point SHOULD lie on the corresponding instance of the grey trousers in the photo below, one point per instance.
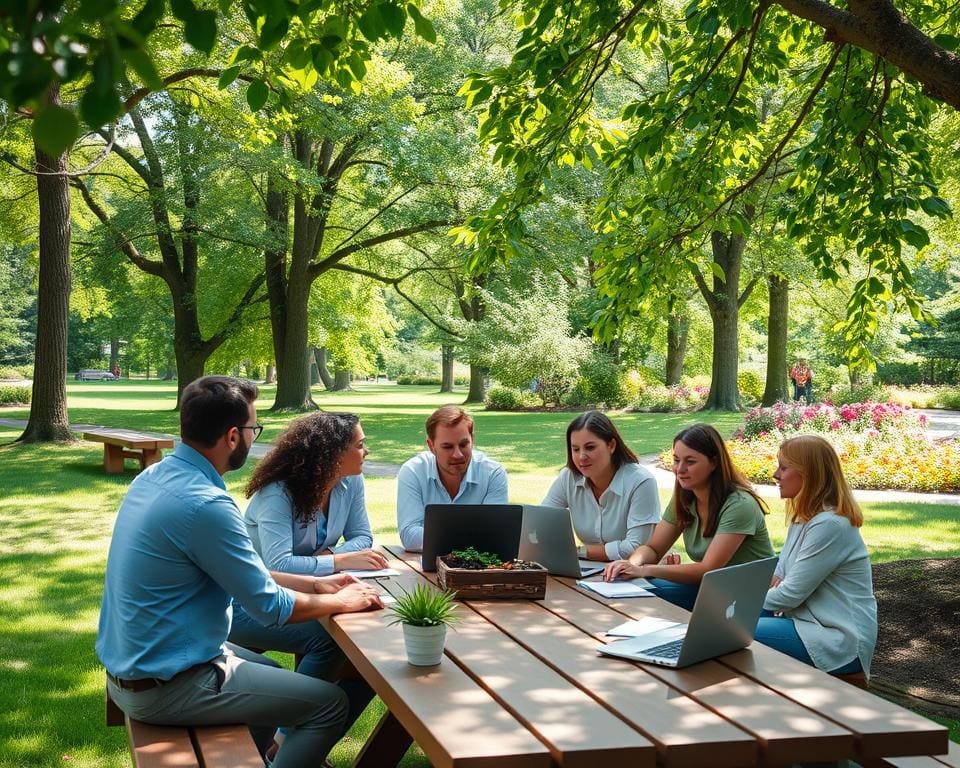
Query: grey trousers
(245, 687)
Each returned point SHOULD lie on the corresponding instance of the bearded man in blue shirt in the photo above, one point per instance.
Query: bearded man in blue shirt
(180, 554)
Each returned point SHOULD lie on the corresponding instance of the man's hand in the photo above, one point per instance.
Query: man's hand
(359, 597)
(621, 569)
(364, 560)
(329, 585)
(776, 581)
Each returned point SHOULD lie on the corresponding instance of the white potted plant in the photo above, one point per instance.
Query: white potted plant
(425, 613)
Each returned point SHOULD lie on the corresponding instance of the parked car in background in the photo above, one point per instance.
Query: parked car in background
(94, 374)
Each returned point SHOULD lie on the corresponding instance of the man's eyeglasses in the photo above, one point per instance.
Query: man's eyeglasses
(257, 430)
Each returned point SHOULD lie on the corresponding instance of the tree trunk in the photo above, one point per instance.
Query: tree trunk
(478, 384)
(724, 304)
(114, 354)
(190, 365)
(293, 365)
(724, 392)
(271, 376)
(446, 368)
(171, 373)
(777, 317)
(678, 328)
(314, 369)
(341, 382)
(49, 420)
(320, 354)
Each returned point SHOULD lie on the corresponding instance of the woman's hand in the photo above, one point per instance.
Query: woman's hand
(622, 569)
(364, 560)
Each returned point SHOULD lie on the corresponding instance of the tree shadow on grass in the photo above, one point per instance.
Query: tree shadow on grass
(51, 702)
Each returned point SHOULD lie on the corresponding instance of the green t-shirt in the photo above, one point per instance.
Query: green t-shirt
(740, 514)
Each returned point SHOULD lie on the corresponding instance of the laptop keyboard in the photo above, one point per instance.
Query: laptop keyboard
(669, 650)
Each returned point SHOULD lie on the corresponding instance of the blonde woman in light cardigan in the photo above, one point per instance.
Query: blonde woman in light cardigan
(823, 611)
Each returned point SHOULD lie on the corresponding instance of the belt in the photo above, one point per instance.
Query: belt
(144, 684)
(149, 683)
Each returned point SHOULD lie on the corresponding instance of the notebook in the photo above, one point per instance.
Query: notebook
(546, 537)
(724, 619)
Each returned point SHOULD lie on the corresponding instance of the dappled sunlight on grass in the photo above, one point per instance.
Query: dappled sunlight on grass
(57, 511)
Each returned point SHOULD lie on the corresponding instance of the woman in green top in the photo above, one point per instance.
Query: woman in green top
(716, 511)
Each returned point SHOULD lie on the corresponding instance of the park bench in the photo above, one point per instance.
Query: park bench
(120, 444)
(210, 746)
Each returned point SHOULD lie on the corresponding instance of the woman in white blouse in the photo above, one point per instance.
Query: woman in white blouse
(821, 598)
(613, 500)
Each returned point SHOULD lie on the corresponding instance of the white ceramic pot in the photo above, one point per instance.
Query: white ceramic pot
(424, 644)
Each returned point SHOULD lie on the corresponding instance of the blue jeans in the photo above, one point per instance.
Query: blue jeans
(322, 657)
(780, 633)
(682, 595)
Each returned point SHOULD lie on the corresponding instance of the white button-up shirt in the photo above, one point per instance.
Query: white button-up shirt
(622, 519)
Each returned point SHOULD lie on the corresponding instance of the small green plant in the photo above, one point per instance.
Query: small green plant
(425, 607)
(14, 395)
(472, 555)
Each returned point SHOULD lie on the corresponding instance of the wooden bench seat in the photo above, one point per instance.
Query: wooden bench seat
(162, 746)
(120, 444)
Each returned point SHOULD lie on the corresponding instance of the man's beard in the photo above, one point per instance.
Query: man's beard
(238, 456)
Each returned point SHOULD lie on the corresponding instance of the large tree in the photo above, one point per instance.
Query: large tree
(182, 183)
(848, 135)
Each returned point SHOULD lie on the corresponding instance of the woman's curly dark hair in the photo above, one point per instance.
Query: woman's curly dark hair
(305, 459)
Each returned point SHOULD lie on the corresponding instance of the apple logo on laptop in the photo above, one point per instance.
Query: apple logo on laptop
(731, 609)
(533, 537)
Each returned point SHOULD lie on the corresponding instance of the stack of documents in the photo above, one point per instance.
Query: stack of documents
(628, 588)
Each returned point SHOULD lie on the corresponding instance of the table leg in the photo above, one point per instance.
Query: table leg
(386, 746)
(150, 456)
(113, 459)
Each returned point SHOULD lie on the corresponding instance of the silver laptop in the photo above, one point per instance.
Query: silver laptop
(546, 537)
(724, 619)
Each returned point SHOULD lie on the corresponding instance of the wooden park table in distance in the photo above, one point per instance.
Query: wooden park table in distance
(521, 684)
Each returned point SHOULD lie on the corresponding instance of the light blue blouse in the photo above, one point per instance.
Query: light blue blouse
(287, 545)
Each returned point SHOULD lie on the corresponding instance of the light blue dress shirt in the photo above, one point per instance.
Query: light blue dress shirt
(179, 552)
(287, 545)
(418, 484)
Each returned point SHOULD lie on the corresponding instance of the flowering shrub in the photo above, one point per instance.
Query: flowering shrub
(660, 399)
(881, 445)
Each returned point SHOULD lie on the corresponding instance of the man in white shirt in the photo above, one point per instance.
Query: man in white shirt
(451, 472)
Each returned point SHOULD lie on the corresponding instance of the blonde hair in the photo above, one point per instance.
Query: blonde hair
(824, 486)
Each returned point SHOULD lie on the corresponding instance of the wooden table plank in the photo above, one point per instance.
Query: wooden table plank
(157, 746)
(685, 732)
(577, 729)
(880, 728)
(227, 745)
(456, 722)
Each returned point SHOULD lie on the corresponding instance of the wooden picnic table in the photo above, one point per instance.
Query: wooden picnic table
(521, 684)
(120, 444)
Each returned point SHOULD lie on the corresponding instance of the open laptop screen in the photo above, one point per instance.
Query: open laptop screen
(491, 528)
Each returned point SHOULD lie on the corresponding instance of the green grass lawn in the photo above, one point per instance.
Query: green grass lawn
(57, 509)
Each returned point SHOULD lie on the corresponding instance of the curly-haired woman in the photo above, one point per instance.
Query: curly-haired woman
(305, 496)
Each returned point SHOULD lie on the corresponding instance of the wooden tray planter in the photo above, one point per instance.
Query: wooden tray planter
(493, 583)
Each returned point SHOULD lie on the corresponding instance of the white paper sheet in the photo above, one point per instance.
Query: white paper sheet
(631, 588)
(382, 573)
(641, 627)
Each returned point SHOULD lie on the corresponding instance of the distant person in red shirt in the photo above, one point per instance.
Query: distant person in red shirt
(802, 378)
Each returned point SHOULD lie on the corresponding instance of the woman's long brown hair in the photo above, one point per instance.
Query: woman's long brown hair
(724, 480)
